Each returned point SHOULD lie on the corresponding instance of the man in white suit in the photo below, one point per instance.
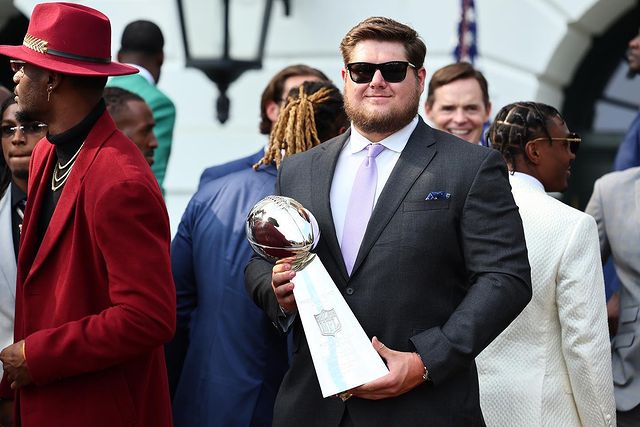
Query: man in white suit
(551, 366)
(615, 205)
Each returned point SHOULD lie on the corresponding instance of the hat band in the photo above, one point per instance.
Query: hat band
(40, 46)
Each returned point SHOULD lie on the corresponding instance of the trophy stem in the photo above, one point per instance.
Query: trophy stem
(302, 262)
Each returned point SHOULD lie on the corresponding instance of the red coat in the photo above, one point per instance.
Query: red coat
(95, 301)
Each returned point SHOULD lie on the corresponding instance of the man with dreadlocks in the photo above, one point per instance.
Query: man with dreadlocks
(271, 102)
(230, 358)
(552, 365)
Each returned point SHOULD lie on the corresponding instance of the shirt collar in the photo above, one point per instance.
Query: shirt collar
(394, 142)
(523, 179)
(144, 73)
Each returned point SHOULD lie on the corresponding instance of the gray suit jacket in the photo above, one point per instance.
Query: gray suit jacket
(441, 277)
(615, 205)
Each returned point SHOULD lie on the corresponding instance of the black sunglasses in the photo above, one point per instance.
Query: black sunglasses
(573, 140)
(392, 72)
(28, 129)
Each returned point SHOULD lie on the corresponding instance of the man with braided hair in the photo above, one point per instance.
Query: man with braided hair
(227, 357)
(552, 365)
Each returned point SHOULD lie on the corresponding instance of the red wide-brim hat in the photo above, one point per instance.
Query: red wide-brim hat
(70, 39)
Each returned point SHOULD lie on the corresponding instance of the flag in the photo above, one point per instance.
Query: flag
(466, 50)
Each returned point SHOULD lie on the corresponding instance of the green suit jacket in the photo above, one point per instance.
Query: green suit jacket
(164, 114)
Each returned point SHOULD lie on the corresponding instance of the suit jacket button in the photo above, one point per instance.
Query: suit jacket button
(350, 291)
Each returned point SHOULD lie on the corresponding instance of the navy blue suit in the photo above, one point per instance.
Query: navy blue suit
(215, 172)
(227, 358)
(628, 155)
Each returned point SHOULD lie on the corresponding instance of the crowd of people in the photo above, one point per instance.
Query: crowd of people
(483, 295)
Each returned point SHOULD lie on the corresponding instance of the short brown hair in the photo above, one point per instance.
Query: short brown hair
(452, 72)
(273, 91)
(385, 29)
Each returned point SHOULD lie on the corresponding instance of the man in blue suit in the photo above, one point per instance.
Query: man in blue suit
(628, 156)
(227, 359)
(272, 99)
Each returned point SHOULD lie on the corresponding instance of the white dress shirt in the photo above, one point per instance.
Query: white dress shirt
(351, 156)
(144, 73)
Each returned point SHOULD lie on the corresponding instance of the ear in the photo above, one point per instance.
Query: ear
(531, 150)
(422, 75)
(428, 110)
(273, 111)
(54, 79)
(488, 108)
(343, 73)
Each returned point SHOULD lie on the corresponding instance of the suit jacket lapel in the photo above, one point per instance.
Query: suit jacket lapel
(62, 214)
(415, 157)
(322, 169)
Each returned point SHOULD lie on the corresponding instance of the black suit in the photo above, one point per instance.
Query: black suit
(441, 277)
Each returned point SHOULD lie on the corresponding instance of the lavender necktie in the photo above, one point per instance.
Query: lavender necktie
(360, 206)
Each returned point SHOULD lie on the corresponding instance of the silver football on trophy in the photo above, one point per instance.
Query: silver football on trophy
(280, 227)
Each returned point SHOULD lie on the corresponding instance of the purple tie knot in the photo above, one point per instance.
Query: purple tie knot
(374, 150)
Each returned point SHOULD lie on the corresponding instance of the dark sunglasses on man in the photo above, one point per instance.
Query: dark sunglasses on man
(27, 129)
(392, 72)
(573, 140)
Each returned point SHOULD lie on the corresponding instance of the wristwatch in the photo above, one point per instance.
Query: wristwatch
(425, 375)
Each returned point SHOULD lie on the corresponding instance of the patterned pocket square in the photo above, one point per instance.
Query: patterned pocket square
(438, 195)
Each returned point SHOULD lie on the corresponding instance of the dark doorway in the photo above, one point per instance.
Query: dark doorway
(600, 103)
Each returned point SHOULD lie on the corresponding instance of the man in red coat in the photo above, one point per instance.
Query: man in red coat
(95, 299)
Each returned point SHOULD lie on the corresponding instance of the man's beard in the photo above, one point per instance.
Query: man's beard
(24, 116)
(388, 122)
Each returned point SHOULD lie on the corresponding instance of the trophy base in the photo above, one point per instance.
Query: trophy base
(342, 353)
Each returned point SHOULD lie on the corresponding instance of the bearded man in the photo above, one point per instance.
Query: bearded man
(428, 251)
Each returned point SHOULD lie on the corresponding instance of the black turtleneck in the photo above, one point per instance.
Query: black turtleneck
(66, 144)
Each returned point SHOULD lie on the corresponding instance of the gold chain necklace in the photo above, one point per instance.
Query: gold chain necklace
(61, 172)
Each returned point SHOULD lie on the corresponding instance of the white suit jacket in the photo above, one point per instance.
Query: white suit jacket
(615, 204)
(552, 365)
(7, 272)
